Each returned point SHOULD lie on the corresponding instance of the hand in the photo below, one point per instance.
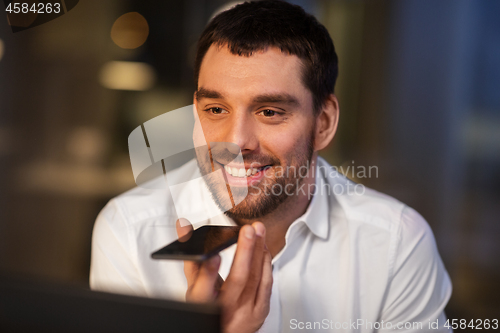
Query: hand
(246, 293)
(203, 278)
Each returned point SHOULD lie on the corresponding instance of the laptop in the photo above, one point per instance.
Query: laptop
(34, 306)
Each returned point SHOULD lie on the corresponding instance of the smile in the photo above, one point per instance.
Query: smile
(244, 176)
(242, 172)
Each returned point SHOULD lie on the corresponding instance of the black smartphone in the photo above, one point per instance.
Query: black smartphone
(200, 245)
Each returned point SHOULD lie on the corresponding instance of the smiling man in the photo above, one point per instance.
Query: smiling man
(312, 253)
(260, 103)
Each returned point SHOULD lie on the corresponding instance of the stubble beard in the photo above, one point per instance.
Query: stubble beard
(271, 192)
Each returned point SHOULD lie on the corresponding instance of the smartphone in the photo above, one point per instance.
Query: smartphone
(202, 243)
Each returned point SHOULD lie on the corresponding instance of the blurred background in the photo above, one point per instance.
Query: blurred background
(419, 91)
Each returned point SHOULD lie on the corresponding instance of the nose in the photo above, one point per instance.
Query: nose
(241, 131)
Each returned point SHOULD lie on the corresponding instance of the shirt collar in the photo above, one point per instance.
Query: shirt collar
(316, 215)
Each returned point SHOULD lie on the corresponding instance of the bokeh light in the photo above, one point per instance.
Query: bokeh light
(130, 30)
(1, 49)
(127, 75)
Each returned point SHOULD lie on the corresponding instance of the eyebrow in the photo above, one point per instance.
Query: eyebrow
(283, 98)
(207, 93)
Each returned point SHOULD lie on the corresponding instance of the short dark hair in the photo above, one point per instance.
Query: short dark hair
(254, 26)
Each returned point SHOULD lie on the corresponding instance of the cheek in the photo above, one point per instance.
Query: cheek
(285, 146)
(211, 131)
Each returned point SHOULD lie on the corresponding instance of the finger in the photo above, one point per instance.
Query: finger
(184, 229)
(218, 286)
(263, 299)
(256, 267)
(191, 271)
(204, 288)
(240, 269)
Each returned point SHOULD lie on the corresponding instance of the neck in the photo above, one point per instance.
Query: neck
(278, 221)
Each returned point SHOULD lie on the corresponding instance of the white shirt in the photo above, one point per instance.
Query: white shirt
(354, 262)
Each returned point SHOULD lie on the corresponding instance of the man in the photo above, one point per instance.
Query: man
(312, 253)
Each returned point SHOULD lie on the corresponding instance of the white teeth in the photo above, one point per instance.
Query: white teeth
(235, 172)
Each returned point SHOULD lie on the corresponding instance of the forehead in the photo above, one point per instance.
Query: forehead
(267, 71)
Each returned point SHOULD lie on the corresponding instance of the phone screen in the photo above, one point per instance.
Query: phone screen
(203, 243)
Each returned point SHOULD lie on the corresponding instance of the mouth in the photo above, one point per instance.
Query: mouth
(244, 176)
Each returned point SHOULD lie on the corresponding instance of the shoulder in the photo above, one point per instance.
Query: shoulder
(371, 211)
(358, 202)
(137, 205)
(145, 214)
(149, 201)
(378, 221)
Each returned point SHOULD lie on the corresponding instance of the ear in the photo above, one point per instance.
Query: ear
(326, 123)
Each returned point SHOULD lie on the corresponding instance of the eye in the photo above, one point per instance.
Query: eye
(268, 113)
(216, 110)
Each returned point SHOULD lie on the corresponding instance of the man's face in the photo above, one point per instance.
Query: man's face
(260, 104)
